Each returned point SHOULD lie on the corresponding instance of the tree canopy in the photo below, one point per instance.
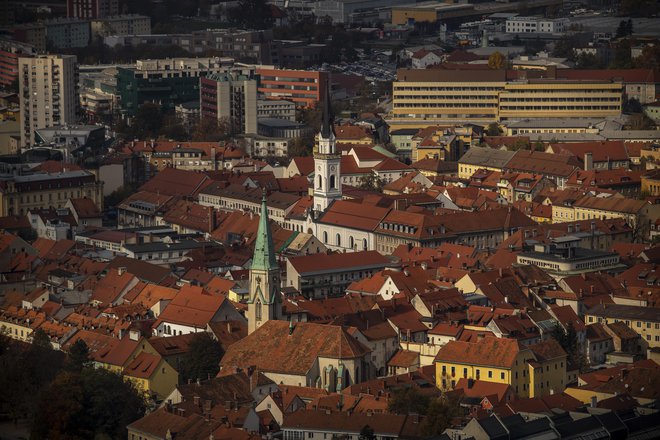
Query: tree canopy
(90, 403)
(203, 359)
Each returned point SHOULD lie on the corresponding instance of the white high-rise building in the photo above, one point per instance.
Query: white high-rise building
(48, 87)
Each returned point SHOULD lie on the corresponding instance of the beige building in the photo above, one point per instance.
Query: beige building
(643, 320)
(425, 97)
(42, 191)
(48, 87)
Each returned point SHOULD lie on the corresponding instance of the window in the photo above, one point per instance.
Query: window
(325, 237)
(333, 184)
(490, 374)
(338, 239)
(502, 375)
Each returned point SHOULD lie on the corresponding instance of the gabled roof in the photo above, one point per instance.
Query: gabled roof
(322, 263)
(353, 215)
(176, 182)
(493, 352)
(275, 347)
(192, 306)
(143, 366)
(85, 208)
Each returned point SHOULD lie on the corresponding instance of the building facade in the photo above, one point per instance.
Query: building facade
(92, 8)
(424, 97)
(232, 97)
(48, 87)
(305, 88)
(42, 191)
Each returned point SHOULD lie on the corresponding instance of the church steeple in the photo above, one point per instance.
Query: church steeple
(327, 163)
(327, 126)
(264, 303)
(264, 252)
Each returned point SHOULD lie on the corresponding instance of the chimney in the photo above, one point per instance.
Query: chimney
(228, 327)
(196, 400)
(594, 400)
(121, 270)
(212, 219)
(588, 161)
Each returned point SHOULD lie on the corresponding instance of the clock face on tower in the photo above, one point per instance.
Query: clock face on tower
(332, 168)
(319, 167)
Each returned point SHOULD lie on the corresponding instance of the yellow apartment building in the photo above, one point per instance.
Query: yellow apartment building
(645, 321)
(503, 361)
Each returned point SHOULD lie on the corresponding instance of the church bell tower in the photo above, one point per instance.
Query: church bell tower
(265, 303)
(327, 162)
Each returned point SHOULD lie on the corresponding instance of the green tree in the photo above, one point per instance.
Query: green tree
(565, 47)
(203, 358)
(439, 415)
(79, 356)
(254, 14)
(118, 195)
(493, 129)
(408, 401)
(588, 61)
(371, 182)
(622, 58)
(148, 121)
(92, 403)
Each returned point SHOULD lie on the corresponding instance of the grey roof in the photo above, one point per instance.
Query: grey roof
(555, 122)
(43, 176)
(491, 157)
(622, 311)
(160, 246)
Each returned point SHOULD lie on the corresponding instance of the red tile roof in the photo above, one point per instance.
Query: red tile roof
(273, 347)
(320, 263)
(85, 208)
(492, 352)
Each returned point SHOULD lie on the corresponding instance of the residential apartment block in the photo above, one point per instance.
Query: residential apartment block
(231, 96)
(10, 51)
(121, 25)
(425, 97)
(305, 88)
(48, 87)
(92, 8)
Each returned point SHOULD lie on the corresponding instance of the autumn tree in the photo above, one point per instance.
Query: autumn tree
(211, 130)
(497, 61)
(438, 416)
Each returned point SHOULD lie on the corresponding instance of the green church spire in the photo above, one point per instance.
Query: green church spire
(264, 251)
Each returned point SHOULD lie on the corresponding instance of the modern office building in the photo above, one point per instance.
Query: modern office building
(92, 8)
(48, 86)
(164, 81)
(539, 25)
(426, 97)
(231, 96)
(303, 87)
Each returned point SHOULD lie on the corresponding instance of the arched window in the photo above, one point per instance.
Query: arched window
(320, 182)
(364, 244)
(338, 239)
(333, 184)
(257, 310)
(325, 237)
(351, 242)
